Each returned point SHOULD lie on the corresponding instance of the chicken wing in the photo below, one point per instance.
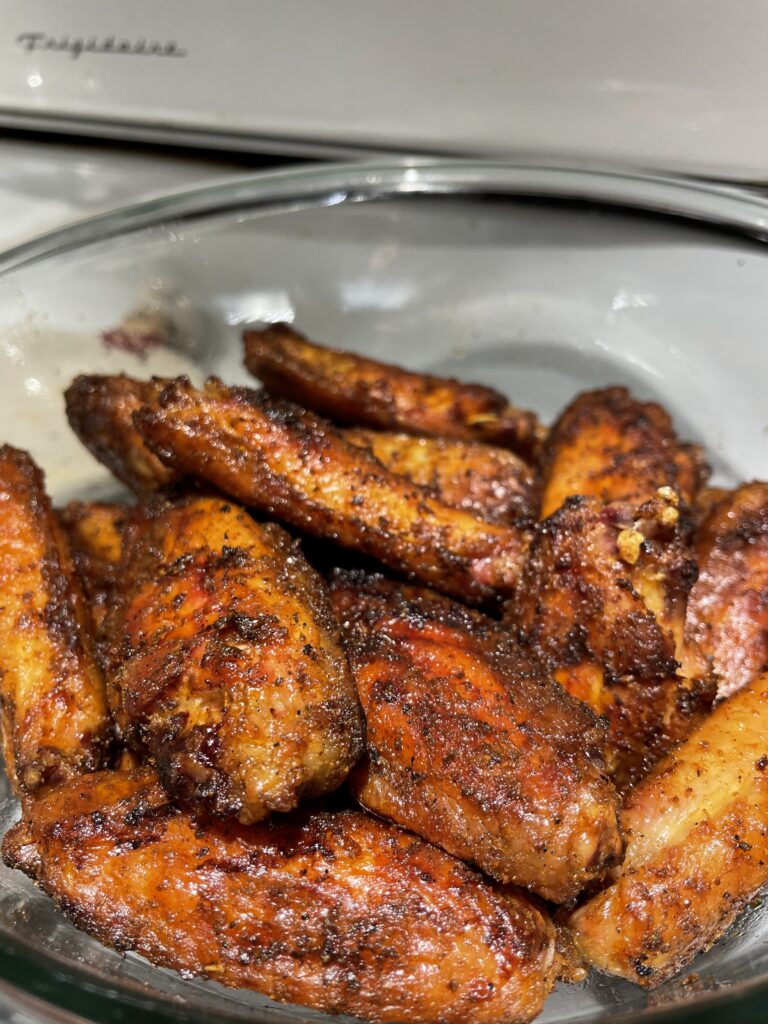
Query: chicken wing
(471, 746)
(352, 389)
(697, 848)
(293, 466)
(491, 483)
(95, 531)
(728, 606)
(100, 410)
(609, 446)
(55, 718)
(339, 912)
(602, 604)
(231, 675)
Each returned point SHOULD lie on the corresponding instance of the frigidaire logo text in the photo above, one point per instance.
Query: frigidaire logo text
(32, 42)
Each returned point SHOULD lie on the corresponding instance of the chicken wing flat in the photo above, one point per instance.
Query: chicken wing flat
(602, 604)
(95, 531)
(491, 483)
(697, 848)
(293, 466)
(728, 606)
(55, 719)
(609, 446)
(100, 411)
(339, 912)
(352, 389)
(231, 675)
(471, 746)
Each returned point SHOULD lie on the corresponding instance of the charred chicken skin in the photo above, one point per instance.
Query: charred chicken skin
(349, 388)
(284, 461)
(491, 483)
(728, 607)
(330, 910)
(609, 446)
(697, 848)
(231, 673)
(470, 745)
(55, 720)
(602, 604)
(100, 411)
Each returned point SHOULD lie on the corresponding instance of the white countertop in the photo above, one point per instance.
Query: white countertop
(46, 184)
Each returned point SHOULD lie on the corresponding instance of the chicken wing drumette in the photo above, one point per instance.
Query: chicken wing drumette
(231, 673)
(728, 607)
(470, 745)
(363, 392)
(697, 848)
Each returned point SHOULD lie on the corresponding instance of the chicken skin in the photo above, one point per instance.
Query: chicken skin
(470, 745)
(491, 483)
(697, 848)
(728, 606)
(609, 446)
(349, 388)
(231, 674)
(95, 531)
(331, 910)
(295, 467)
(100, 411)
(54, 710)
(602, 604)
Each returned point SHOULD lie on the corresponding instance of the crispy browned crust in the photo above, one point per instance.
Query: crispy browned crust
(275, 456)
(602, 603)
(609, 446)
(55, 720)
(697, 849)
(471, 746)
(728, 607)
(352, 389)
(491, 483)
(95, 532)
(100, 410)
(232, 676)
(339, 912)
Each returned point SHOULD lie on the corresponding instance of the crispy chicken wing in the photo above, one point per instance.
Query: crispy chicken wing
(492, 483)
(609, 446)
(95, 531)
(352, 389)
(470, 745)
(697, 850)
(100, 410)
(55, 719)
(728, 606)
(231, 675)
(602, 603)
(274, 456)
(340, 912)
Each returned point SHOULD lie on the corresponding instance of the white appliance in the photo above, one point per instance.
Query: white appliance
(678, 85)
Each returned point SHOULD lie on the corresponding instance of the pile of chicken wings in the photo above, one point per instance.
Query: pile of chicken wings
(382, 698)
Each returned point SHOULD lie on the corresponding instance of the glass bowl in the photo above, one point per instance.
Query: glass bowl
(539, 281)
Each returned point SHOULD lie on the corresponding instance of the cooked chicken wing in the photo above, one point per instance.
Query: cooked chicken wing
(609, 446)
(492, 483)
(697, 849)
(95, 531)
(100, 410)
(470, 745)
(352, 389)
(340, 912)
(293, 466)
(231, 676)
(55, 719)
(602, 603)
(728, 606)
